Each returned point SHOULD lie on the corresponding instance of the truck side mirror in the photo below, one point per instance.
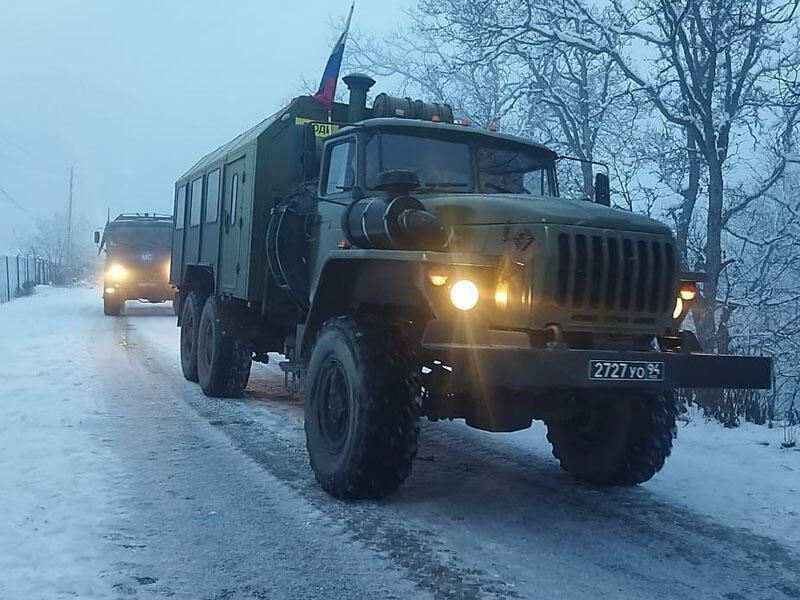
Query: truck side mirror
(602, 190)
(96, 237)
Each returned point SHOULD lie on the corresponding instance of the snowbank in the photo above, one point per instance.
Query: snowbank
(55, 494)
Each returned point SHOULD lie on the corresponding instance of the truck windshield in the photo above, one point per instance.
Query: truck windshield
(447, 164)
(139, 235)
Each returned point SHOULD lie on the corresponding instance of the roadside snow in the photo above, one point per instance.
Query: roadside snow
(739, 477)
(54, 491)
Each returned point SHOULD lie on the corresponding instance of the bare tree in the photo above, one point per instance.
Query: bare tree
(566, 97)
(49, 241)
(710, 63)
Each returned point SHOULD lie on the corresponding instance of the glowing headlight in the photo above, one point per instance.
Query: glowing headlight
(116, 271)
(437, 276)
(678, 310)
(688, 290)
(464, 294)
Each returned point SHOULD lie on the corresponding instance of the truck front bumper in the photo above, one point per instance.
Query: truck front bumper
(541, 369)
(152, 291)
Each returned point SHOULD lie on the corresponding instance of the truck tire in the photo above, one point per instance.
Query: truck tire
(361, 409)
(616, 438)
(190, 321)
(223, 360)
(112, 306)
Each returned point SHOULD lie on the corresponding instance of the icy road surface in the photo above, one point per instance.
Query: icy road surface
(119, 479)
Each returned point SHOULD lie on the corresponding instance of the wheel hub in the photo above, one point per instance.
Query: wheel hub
(334, 411)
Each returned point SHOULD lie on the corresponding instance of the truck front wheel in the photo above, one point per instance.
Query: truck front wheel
(190, 320)
(361, 409)
(111, 305)
(615, 438)
(223, 360)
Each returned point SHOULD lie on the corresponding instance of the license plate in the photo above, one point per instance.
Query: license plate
(626, 370)
(147, 284)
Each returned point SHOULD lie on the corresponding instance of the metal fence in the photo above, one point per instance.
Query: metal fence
(19, 274)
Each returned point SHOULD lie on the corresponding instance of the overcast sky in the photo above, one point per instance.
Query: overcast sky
(132, 93)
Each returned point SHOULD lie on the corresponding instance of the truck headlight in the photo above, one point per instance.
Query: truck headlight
(464, 294)
(687, 290)
(116, 271)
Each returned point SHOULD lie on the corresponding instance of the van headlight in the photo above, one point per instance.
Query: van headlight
(116, 272)
(464, 294)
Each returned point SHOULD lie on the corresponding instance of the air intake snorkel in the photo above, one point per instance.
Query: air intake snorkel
(394, 221)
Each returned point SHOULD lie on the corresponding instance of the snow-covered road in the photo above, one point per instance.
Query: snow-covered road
(120, 479)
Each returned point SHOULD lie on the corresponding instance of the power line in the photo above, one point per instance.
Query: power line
(17, 204)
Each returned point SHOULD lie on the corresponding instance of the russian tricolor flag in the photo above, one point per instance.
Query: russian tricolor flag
(327, 87)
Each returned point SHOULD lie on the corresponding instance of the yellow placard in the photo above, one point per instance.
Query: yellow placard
(320, 129)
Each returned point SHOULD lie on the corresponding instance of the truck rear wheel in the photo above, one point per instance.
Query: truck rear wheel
(223, 360)
(361, 409)
(112, 306)
(616, 438)
(190, 320)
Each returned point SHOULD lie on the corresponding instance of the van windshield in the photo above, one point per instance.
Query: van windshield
(130, 234)
(447, 164)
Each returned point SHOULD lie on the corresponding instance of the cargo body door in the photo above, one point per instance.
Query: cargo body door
(179, 221)
(231, 222)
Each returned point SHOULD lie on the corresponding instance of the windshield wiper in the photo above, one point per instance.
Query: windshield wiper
(504, 190)
(443, 185)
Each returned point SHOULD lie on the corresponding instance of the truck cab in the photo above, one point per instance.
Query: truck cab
(137, 260)
(407, 266)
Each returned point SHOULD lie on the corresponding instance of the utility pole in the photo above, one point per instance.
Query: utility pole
(69, 219)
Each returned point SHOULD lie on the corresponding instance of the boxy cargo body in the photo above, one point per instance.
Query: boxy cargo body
(407, 266)
(223, 204)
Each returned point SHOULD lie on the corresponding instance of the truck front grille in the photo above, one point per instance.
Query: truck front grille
(613, 272)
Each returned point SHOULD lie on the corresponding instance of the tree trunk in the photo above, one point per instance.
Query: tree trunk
(588, 181)
(689, 194)
(705, 307)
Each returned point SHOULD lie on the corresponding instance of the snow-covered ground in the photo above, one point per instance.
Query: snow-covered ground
(738, 476)
(120, 479)
(55, 489)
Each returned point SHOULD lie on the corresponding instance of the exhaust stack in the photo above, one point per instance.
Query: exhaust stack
(359, 85)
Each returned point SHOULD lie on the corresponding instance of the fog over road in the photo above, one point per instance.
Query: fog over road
(194, 497)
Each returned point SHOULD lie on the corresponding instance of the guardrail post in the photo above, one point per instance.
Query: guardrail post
(8, 282)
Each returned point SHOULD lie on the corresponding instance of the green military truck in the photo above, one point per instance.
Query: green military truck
(137, 247)
(407, 266)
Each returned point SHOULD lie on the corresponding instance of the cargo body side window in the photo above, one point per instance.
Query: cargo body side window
(340, 173)
(180, 207)
(232, 199)
(212, 196)
(197, 201)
